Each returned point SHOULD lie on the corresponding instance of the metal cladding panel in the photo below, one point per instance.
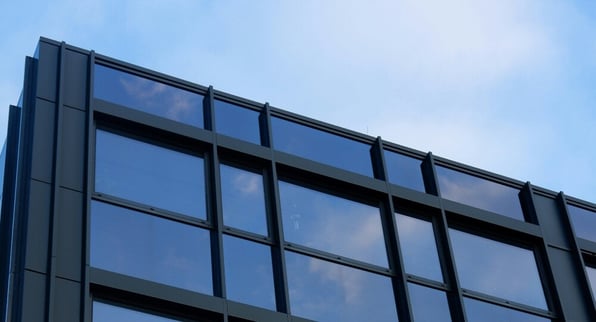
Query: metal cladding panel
(69, 234)
(554, 229)
(42, 162)
(34, 298)
(73, 149)
(47, 77)
(67, 301)
(38, 223)
(75, 83)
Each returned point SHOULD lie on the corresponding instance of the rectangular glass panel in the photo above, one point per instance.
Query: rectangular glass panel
(478, 311)
(332, 224)
(480, 193)
(418, 246)
(485, 265)
(148, 96)
(103, 312)
(428, 305)
(243, 199)
(236, 121)
(143, 172)
(592, 279)
(321, 146)
(404, 171)
(584, 222)
(149, 247)
(328, 292)
(249, 273)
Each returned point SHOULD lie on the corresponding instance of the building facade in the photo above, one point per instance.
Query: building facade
(129, 195)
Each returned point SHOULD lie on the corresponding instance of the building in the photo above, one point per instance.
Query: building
(129, 195)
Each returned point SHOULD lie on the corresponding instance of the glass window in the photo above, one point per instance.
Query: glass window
(149, 174)
(419, 250)
(478, 311)
(103, 312)
(249, 274)
(148, 96)
(584, 222)
(243, 199)
(328, 292)
(236, 121)
(480, 193)
(592, 279)
(149, 247)
(404, 171)
(428, 305)
(321, 146)
(484, 265)
(332, 224)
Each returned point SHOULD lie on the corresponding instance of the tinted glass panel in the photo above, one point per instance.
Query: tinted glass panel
(592, 279)
(149, 247)
(237, 121)
(328, 292)
(428, 305)
(142, 172)
(404, 171)
(419, 250)
(249, 274)
(332, 224)
(478, 311)
(479, 193)
(484, 265)
(109, 313)
(243, 199)
(321, 146)
(148, 96)
(584, 222)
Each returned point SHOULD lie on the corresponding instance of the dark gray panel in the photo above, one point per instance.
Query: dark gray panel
(67, 300)
(69, 230)
(74, 92)
(47, 76)
(38, 226)
(43, 141)
(73, 148)
(554, 229)
(34, 289)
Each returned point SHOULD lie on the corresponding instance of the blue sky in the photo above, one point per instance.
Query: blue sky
(504, 85)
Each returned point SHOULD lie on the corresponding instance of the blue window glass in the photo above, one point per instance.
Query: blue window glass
(236, 121)
(328, 292)
(584, 222)
(478, 311)
(480, 193)
(321, 146)
(484, 265)
(243, 199)
(592, 279)
(103, 312)
(149, 247)
(428, 305)
(249, 274)
(148, 96)
(419, 250)
(332, 224)
(404, 171)
(143, 173)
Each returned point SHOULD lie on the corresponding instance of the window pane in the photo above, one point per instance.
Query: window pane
(480, 193)
(321, 146)
(428, 305)
(149, 247)
(404, 171)
(584, 222)
(243, 199)
(249, 274)
(328, 292)
(592, 279)
(109, 313)
(236, 121)
(419, 250)
(148, 96)
(497, 269)
(332, 224)
(478, 311)
(142, 172)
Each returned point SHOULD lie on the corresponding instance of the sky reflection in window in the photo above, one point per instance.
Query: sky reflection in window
(480, 193)
(103, 312)
(236, 121)
(404, 171)
(418, 246)
(328, 292)
(332, 224)
(478, 311)
(584, 222)
(428, 305)
(148, 96)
